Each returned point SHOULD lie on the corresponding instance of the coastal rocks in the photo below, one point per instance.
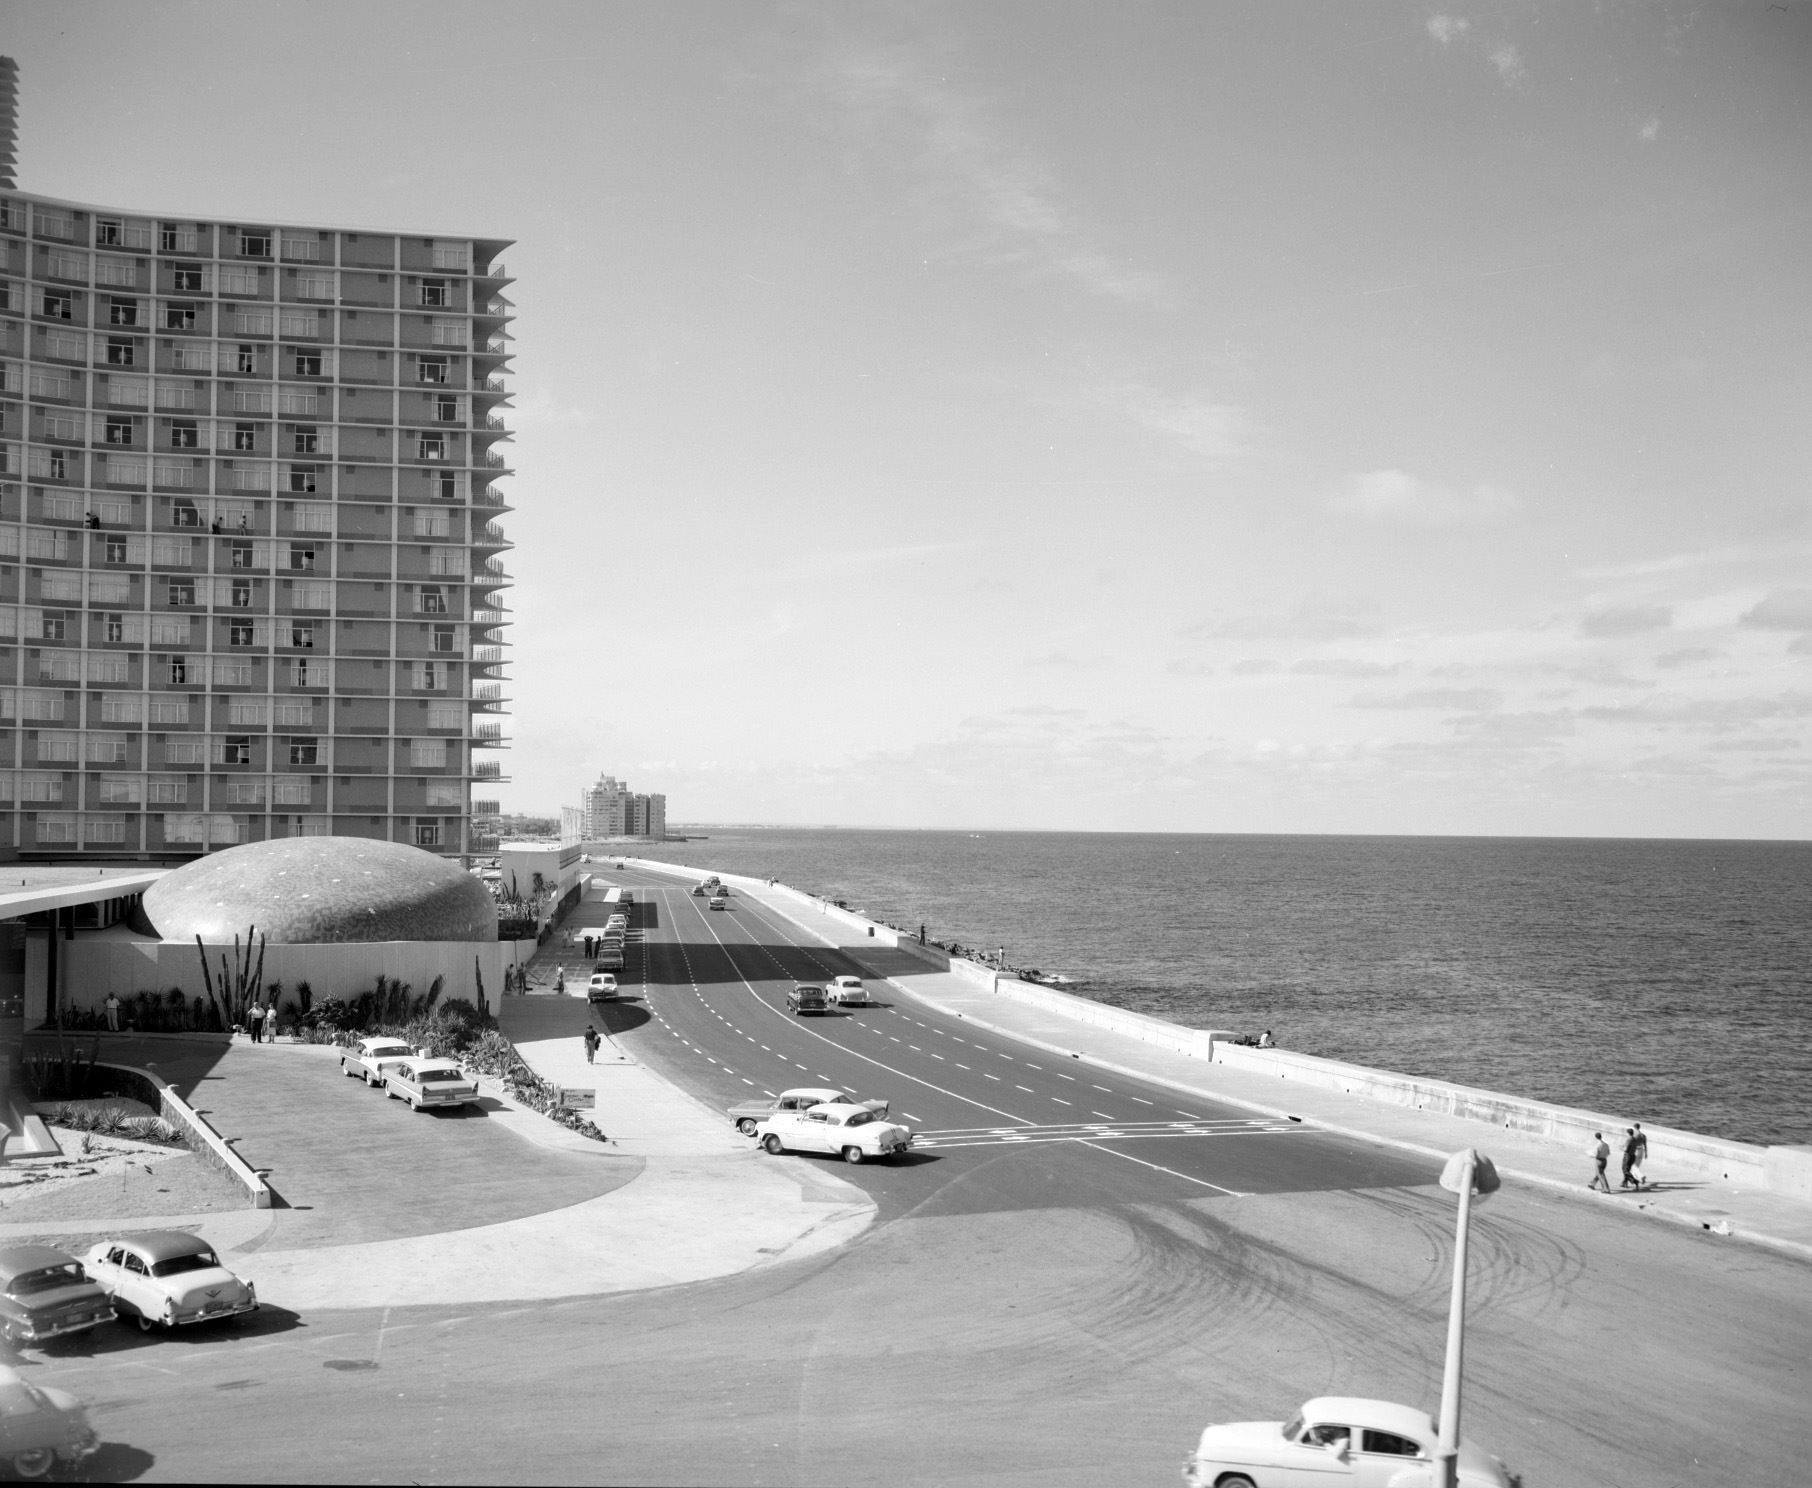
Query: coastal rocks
(317, 890)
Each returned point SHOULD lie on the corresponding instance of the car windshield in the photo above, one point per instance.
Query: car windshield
(1292, 1428)
(50, 1278)
(20, 1399)
(176, 1265)
(438, 1077)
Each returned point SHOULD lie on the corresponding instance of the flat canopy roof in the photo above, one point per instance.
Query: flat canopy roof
(27, 888)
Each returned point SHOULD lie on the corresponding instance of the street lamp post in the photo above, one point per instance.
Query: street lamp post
(1466, 1173)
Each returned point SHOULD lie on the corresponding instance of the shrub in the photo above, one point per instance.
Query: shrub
(459, 1023)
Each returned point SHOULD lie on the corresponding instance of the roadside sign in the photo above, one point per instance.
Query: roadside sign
(575, 1098)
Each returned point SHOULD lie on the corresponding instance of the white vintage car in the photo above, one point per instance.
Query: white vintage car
(1335, 1440)
(848, 991)
(430, 1082)
(857, 1133)
(166, 1278)
(370, 1059)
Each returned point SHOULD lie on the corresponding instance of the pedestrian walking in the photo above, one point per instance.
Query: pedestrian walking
(591, 1043)
(1639, 1166)
(113, 1012)
(1601, 1154)
(254, 1020)
(1629, 1159)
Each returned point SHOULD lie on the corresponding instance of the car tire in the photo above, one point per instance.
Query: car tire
(145, 1324)
(8, 1336)
(34, 1462)
(773, 1144)
(746, 1126)
(345, 1068)
(852, 1155)
(1235, 1480)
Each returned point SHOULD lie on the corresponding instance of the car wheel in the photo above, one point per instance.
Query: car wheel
(746, 1126)
(1235, 1480)
(773, 1144)
(145, 1324)
(34, 1462)
(852, 1155)
(11, 1338)
(345, 1068)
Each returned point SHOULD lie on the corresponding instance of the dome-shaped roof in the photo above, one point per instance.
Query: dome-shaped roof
(303, 890)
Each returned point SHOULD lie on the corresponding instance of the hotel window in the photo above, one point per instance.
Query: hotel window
(190, 281)
(114, 550)
(308, 439)
(432, 600)
(241, 633)
(314, 286)
(68, 345)
(301, 557)
(308, 364)
(122, 351)
(59, 746)
(289, 714)
(299, 323)
(186, 752)
(189, 827)
(247, 361)
(119, 790)
(428, 754)
(182, 591)
(179, 317)
(306, 673)
(49, 464)
(63, 426)
(63, 588)
(255, 245)
(174, 239)
(451, 485)
(313, 516)
(107, 231)
(313, 596)
(179, 671)
(169, 630)
(184, 434)
(105, 589)
(446, 715)
(446, 409)
(48, 384)
(52, 628)
(242, 594)
(430, 676)
(169, 708)
(302, 479)
(248, 712)
(119, 430)
(431, 369)
(432, 447)
(53, 544)
(304, 751)
(302, 635)
(105, 750)
(116, 628)
(122, 312)
(57, 827)
(58, 305)
(184, 513)
(33, 787)
(236, 749)
(443, 639)
(245, 436)
(292, 792)
(175, 552)
(109, 666)
(121, 707)
(59, 666)
(166, 792)
(38, 705)
(242, 555)
(433, 524)
(427, 834)
(434, 293)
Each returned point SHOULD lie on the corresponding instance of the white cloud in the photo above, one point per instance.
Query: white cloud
(1509, 64)
(1621, 620)
(1444, 28)
(1784, 609)
(1398, 496)
(1204, 427)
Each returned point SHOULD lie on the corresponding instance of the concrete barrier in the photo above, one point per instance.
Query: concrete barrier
(208, 1142)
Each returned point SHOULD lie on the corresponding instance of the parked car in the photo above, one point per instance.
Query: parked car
(806, 997)
(45, 1294)
(167, 1278)
(370, 1058)
(603, 987)
(848, 991)
(431, 1082)
(751, 1113)
(1336, 1439)
(853, 1132)
(41, 1426)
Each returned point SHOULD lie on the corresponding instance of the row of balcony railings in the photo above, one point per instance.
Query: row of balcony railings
(119, 288)
(71, 833)
(193, 367)
(127, 346)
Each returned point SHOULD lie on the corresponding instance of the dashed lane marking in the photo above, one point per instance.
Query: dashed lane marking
(1027, 1088)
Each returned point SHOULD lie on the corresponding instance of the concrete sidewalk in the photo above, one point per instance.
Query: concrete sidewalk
(1780, 1223)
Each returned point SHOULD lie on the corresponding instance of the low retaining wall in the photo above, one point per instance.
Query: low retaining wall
(208, 1142)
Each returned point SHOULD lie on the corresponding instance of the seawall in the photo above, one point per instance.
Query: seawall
(1784, 1171)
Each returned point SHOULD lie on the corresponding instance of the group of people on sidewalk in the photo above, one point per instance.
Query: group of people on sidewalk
(1635, 1158)
(261, 1023)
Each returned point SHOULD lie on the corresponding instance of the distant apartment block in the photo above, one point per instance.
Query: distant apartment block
(611, 809)
(249, 540)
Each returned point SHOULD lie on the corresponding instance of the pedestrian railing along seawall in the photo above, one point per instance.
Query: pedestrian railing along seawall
(1782, 1170)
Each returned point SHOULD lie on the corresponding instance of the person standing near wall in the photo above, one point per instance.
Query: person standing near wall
(113, 1012)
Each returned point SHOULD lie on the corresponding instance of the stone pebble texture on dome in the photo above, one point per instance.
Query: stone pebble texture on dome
(321, 890)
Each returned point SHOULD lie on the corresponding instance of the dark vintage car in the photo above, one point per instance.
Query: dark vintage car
(40, 1427)
(45, 1294)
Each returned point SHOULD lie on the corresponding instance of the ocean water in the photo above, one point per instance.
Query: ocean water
(1668, 982)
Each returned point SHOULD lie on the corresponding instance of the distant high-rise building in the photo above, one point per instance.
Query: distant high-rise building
(611, 809)
(9, 121)
(249, 549)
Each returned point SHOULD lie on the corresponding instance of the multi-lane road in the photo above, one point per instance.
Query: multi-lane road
(1068, 1277)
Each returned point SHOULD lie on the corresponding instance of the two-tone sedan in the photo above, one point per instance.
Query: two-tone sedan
(430, 1082)
(41, 1426)
(167, 1279)
(45, 1294)
(370, 1059)
(1336, 1439)
(856, 1133)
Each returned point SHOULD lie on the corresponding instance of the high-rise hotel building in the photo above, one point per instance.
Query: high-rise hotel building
(249, 547)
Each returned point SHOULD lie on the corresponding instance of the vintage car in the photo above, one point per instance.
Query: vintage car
(431, 1082)
(719, 902)
(167, 1278)
(45, 1294)
(855, 1132)
(369, 1059)
(1336, 1439)
(699, 891)
(806, 997)
(41, 1426)
(750, 1113)
(848, 991)
(602, 988)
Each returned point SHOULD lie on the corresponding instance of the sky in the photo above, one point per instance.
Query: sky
(1261, 417)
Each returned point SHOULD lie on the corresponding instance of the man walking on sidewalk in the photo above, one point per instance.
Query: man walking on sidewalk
(1601, 1154)
(591, 1043)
